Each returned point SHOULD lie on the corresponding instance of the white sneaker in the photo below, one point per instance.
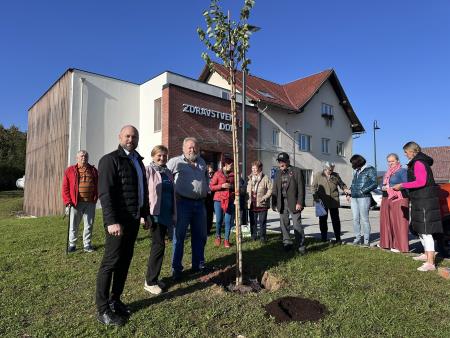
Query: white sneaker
(422, 258)
(427, 267)
(153, 289)
(395, 250)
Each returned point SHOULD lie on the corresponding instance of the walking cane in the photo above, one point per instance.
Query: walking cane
(68, 227)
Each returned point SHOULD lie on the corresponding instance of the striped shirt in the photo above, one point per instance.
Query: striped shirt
(86, 187)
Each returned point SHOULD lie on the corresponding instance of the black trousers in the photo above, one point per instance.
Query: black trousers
(258, 218)
(156, 257)
(114, 266)
(335, 221)
(209, 205)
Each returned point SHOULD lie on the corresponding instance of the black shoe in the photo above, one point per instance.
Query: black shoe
(302, 250)
(110, 318)
(119, 308)
(72, 248)
(176, 276)
(204, 270)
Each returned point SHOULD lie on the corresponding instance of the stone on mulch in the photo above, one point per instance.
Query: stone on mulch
(444, 272)
(271, 282)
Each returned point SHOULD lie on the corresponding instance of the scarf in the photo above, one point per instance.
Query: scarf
(392, 194)
(255, 180)
(160, 168)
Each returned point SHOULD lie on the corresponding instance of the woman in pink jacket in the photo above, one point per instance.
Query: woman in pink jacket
(424, 196)
(162, 217)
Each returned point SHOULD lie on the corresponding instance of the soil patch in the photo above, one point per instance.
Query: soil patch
(296, 309)
(226, 278)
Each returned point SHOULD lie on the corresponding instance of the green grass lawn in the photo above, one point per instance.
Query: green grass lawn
(368, 292)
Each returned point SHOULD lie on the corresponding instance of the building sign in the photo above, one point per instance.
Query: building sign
(210, 113)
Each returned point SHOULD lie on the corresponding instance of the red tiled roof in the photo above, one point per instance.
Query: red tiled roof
(293, 95)
(441, 165)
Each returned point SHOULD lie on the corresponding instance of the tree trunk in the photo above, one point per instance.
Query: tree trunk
(236, 176)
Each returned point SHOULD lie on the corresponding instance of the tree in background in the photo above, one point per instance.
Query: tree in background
(228, 40)
(13, 144)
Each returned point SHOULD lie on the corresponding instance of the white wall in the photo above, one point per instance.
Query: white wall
(108, 104)
(150, 91)
(309, 122)
(213, 88)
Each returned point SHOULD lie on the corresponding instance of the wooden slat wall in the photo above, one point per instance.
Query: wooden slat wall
(47, 150)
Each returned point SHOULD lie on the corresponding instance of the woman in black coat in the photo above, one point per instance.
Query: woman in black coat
(424, 196)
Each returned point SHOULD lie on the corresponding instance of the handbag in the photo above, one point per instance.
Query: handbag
(373, 203)
(320, 209)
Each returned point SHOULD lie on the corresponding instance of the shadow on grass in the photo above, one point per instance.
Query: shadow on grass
(257, 258)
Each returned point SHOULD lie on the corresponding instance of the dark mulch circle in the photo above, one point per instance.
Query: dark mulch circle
(288, 309)
(226, 278)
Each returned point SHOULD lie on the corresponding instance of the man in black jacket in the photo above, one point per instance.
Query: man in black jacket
(123, 194)
(288, 197)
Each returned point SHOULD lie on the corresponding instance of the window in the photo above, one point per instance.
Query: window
(307, 175)
(325, 145)
(304, 142)
(225, 95)
(327, 109)
(340, 148)
(328, 113)
(276, 137)
(157, 115)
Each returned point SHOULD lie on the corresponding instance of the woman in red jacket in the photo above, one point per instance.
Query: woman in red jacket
(222, 185)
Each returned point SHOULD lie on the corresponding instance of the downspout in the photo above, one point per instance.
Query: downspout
(261, 112)
(81, 112)
(70, 117)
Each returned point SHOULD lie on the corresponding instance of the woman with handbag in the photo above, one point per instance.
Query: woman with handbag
(325, 189)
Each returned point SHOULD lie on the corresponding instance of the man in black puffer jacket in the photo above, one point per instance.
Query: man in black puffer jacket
(123, 194)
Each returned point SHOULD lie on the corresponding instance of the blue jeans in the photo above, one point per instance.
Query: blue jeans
(191, 212)
(360, 211)
(229, 219)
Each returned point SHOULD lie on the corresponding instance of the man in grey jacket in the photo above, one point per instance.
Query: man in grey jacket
(191, 189)
(288, 197)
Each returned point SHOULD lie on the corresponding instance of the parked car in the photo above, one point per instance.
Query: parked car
(376, 195)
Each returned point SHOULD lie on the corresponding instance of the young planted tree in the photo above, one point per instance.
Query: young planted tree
(228, 40)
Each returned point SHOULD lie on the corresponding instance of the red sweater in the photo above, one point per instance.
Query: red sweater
(216, 186)
(70, 184)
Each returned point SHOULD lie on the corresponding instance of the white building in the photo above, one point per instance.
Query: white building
(311, 119)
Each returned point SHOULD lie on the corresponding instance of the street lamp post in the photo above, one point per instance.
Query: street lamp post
(375, 128)
(251, 29)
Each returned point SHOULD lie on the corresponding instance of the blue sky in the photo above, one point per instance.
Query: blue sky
(391, 56)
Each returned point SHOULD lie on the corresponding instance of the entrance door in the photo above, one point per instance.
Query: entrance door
(211, 157)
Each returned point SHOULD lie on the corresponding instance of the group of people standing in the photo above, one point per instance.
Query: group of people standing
(410, 202)
(168, 196)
